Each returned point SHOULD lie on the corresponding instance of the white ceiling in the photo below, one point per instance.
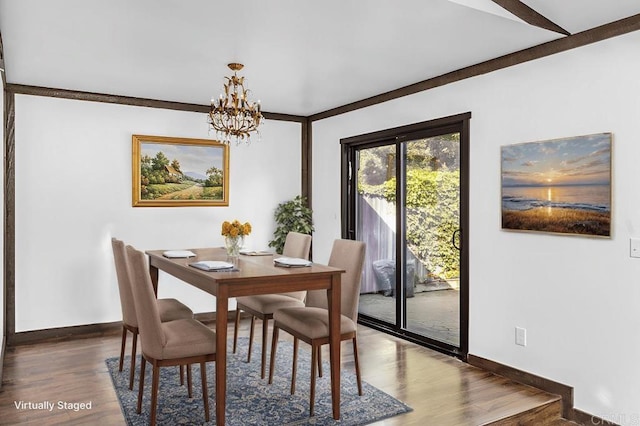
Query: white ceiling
(301, 57)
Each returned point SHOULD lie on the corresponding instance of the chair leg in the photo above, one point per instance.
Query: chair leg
(265, 330)
(274, 345)
(189, 382)
(205, 392)
(155, 383)
(134, 344)
(319, 361)
(355, 359)
(294, 368)
(122, 346)
(182, 375)
(235, 330)
(253, 322)
(143, 365)
(312, 389)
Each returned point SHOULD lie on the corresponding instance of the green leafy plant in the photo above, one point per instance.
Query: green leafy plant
(291, 216)
(432, 216)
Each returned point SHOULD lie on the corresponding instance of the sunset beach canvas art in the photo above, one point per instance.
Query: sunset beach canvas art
(559, 186)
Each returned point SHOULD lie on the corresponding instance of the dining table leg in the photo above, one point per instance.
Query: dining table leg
(333, 299)
(222, 310)
(153, 273)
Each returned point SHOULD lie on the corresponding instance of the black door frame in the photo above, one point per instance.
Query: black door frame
(349, 147)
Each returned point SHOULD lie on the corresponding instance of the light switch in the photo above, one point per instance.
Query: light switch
(521, 336)
(635, 247)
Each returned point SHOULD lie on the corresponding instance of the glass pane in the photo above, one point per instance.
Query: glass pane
(376, 226)
(432, 210)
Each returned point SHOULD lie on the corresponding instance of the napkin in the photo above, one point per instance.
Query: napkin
(178, 253)
(248, 252)
(291, 262)
(212, 265)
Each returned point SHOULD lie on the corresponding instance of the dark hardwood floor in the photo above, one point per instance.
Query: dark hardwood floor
(441, 390)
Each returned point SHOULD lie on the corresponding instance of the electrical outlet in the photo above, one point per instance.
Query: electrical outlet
(521, 336)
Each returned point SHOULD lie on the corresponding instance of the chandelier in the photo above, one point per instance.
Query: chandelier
(233, 116)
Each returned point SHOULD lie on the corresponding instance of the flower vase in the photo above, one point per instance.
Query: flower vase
(233, 246)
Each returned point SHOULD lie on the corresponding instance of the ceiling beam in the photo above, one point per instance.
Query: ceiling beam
(130, 100)
(530, 16)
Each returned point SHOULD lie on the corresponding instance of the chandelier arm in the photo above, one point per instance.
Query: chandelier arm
(233, 115)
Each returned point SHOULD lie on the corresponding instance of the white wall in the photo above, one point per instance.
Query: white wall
(577, 297)
(73, 193)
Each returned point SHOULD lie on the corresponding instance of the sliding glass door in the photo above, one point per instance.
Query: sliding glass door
(404, 198)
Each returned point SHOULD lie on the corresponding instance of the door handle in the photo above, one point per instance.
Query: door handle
(454, 241)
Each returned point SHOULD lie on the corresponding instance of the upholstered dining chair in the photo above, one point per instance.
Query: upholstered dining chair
(311, 322)
(169, 309)
(262, 306)
(180, 342)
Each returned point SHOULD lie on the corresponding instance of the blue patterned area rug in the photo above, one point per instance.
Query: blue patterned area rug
(250, 399)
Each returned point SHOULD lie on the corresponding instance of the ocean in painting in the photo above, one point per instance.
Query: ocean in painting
(579, 197)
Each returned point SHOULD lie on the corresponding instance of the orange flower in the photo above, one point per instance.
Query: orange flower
(226, 226)
(246, 228)
(235, 228)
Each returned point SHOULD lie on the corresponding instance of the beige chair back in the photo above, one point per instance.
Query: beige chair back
(347, 255)
(297, 245)
(124, 283)
(150, 326)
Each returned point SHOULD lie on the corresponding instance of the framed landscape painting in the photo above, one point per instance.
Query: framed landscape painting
(174, 172)
(560, 186)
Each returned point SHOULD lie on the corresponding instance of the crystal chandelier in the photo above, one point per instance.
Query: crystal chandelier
(233, 116)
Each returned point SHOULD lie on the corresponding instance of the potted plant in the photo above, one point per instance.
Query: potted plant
(291, 216)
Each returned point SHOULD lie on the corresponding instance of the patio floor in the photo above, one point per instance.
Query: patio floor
(434, 314)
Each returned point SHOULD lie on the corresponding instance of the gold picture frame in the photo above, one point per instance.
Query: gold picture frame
(179, 172)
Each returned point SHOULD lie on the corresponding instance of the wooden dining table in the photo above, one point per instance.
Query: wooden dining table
(254, 275)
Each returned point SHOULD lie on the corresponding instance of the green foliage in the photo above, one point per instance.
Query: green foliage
(432, 201)
(157, 177)
(291, 216)
(145, 165)
(159, 161)
(435, 153)
(432, 195)
(377, 165)
(212, 193)
(214, 177)
(153, 172)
